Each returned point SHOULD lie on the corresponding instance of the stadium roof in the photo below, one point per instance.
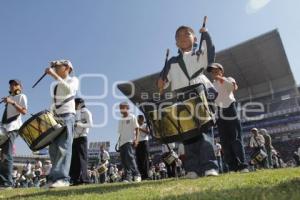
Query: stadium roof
(259, 65)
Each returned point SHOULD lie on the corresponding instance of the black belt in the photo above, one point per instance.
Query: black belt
(65, 114)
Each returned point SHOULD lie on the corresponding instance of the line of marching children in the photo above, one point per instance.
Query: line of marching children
(200, 158)
(72, 142)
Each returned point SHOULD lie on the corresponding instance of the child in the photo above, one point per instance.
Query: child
(104, 158)
(200, 157)
(142, 150)
(229, 125)
(63, 107)
(128, 138)
(16, 105)
(79, 163)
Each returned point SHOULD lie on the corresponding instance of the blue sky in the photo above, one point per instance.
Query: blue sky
(123, 40)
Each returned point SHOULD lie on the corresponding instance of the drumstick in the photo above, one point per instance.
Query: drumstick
(3, 99)
(39, 80)
(200, 45)
(166, 62)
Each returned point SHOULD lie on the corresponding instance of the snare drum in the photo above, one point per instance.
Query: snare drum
(40, 130)
(170, 157)
(182, 117)
(258, 156)
(3, 135)
(102, 169)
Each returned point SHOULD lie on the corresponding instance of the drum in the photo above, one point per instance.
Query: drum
(258, 156)
(114, 177)
(102, 169)
(3, 135)
(40, 130)
(181, 117)
(170, 157)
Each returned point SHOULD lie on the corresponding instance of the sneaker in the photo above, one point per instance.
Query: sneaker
(211, 172)
(125, 181)
(59, 184)
(191, 175)
(137, 179)
(245, 170)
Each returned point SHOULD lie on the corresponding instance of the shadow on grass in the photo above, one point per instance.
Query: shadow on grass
(90, 189)
(289, 190)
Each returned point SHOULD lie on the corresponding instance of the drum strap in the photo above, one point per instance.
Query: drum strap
(6, 120)
(184, 69)
(64, 101)
(258, 145)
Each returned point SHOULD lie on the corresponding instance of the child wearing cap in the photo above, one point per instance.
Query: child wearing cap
(229, 125)
(63, 107)
(16, 106)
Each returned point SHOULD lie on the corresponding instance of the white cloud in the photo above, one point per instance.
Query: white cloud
(254, 6)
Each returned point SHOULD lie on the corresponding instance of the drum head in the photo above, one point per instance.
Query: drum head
(47, 138)
(33, 117)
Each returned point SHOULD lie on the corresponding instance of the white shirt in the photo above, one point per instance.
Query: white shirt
(38, 164)
(178, 79)
(181, 149)
(218, 149)
(65, 89)
(21, 100)
(144, 136)
(259, 141)
(47, 168)
(225, 92)
(104, 156)
(84, 122)
(161, 166)
(127, 128)
(27, 168)
(165, 148)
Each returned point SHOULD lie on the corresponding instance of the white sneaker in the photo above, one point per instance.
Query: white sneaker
(211, 172)
(137, 179)
(245, 170)
(191, 175)
(125, 181)
(59, 184)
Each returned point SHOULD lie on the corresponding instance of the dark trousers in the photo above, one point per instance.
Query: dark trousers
(142, 158)
(6, 163)
(269, 158)
(199, 154)
(230, 132)
(128, 161)
(171, 170)
(103, 177)
(78, 170)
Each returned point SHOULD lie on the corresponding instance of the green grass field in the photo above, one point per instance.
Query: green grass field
(265, 184)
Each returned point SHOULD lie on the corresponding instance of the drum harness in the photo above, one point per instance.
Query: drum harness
(57, 117)
(196, 74)
(6, 120)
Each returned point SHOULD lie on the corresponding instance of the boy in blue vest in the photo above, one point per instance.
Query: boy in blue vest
(200, 157)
